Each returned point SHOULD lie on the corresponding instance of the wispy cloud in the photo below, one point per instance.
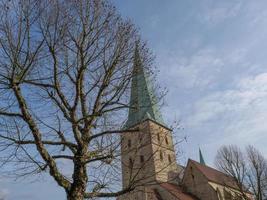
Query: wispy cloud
(249, 95)
(215, 13)
(196, 71)
(235, 115)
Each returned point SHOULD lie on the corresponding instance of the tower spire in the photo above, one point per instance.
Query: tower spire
(201, 159)
(143, 104)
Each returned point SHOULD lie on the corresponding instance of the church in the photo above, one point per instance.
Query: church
(148, 155)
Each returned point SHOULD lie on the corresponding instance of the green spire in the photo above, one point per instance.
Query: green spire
(143, 104)
(201, 159)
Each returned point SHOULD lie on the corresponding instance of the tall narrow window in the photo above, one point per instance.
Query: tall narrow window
(192, 173)
(130, 163)
(140, 138)
(219, 194)
(169, 158)
(193, 177)
(161, 155)
(158, 138)
(142, 159)
(129, 143)
(166, 140)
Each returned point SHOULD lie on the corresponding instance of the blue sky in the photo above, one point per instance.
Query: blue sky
(213, 61)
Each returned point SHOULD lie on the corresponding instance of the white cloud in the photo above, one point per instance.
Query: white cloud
(235, 115)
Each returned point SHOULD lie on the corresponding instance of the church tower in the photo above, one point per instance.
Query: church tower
(148, 156)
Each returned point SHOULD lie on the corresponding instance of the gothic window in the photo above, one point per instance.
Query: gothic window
(169, 158)
(142, 159)
(161, 155)
(166, 140)
(129, 143)
(158, 138)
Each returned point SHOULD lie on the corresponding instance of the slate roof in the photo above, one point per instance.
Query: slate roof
(177, 191)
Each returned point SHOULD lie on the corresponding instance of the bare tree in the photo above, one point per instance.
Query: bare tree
(65, 69)
(257, 173)
(248, 169)
(231, 160)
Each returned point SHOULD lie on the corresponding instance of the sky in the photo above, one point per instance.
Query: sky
(212, 57)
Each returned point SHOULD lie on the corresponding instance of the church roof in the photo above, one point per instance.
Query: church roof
(177, 191)
(216, 176)
(143, 102)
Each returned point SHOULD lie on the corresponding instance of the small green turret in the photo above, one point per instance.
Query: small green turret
(201, 159)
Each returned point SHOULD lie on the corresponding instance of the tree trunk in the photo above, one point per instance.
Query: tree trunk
(77, 191)
(75, 195)
(78, 187)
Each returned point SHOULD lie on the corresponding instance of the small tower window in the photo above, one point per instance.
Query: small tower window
(193, 177)
(130, 163)
(166, 140)
(161, 155)
(169, 158)
(129, 143)
(142, 159)
(158, 138)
